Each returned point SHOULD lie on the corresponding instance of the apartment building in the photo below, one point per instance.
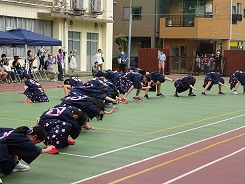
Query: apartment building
(202, 26)
(82, 25)
(145, 23)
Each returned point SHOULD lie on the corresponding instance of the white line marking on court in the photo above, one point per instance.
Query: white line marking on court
(134, 163)
(202, 167)
(163, 137)
(141, 143)
(202, 104)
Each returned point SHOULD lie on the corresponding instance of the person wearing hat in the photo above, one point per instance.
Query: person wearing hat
(19, 69)
(48, 66)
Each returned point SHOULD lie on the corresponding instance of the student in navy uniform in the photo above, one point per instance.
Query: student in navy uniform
(237, 78)
(157, 79)
(112, 91)
(119, 79)
(33, 90)
(137, 80)
(210, 79)
(59, 123)
(20, 143)
(183, 84)
(70, 83)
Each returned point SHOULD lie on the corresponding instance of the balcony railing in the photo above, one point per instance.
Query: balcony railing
(180, 20)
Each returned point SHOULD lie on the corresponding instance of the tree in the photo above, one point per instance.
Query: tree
(121, 41)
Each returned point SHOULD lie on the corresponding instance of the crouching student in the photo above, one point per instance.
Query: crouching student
(184, 84)
(210, 79)
(20, 143)
(59, 123)
(237, 78)
(137, 80)
(156, 82)
(70, 83)
(33, 90)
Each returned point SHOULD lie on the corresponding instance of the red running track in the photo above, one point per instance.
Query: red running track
(196, 164)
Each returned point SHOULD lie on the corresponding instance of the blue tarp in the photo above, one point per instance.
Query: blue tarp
(10, 39)
(32, 38)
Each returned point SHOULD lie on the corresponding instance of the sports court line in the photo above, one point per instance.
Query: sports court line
(138, 162)
(202, 104)
(197, 121)
(204, 166)
(155, 139)
(174, 127)
(176, 159)
(29, 121)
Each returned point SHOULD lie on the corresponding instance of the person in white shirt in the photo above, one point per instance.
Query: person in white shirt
(72, 62)
(99, 58)
(161, 61)
(10, 72)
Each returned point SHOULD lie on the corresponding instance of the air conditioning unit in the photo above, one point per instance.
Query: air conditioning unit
(96, 6)
(79, 5)
(208, 8)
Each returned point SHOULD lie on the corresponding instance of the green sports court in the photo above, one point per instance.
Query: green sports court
(134, 132)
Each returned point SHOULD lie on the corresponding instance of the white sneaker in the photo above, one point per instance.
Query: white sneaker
(21, 168)
(235, 93)
(1, 181)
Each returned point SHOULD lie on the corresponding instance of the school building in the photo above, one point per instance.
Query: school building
(82, 25)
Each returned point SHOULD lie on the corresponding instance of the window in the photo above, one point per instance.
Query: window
(239, 8)
(233, 9)
(136, 13)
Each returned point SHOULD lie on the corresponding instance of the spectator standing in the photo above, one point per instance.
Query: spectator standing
(217, 64)
(122, 58)
(205, 61)
(41, 55)
(99, 58)
(60, 60)
(29, 62)
(72, 62)
(161, 61)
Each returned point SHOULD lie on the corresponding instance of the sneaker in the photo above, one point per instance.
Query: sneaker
(27, 101)
(160, 95)
(146, 97)
(203, 93)
(63, 99)
(71, 142)
(53, 151)
(21, 168)
(220, 93)
(136, 98)
(235, 93)
(1, 181)
(192, 94)
(124, 101)
(176, 95)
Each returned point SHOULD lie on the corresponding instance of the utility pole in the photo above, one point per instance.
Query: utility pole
(129, 32)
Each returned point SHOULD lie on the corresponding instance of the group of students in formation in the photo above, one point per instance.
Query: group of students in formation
(84, 102)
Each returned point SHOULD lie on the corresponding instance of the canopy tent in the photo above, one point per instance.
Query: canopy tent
(10, 39)
(32, 38)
